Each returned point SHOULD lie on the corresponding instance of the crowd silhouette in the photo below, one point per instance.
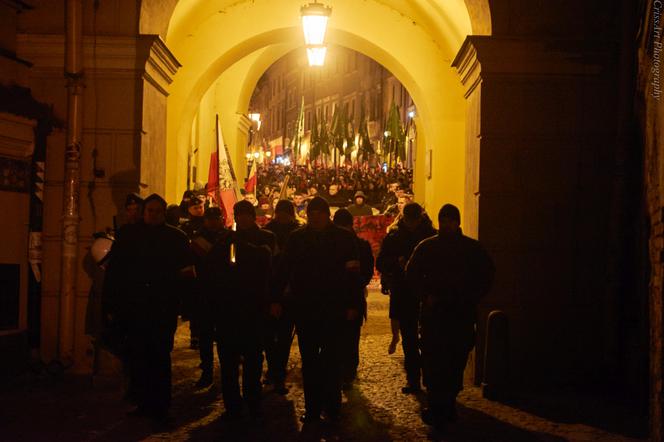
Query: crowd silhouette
(251, 290)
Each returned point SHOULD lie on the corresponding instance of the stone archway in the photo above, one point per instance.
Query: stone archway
(417, 44)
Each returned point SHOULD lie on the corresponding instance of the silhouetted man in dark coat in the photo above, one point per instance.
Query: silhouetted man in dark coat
(243, 267)
(279, 332)
(150, 260)
(321, 264)
(452, 272)
(203, 240)
(397, 247)
(192, 307)
(351, 352)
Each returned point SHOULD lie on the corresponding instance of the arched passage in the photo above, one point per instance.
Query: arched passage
(218, 40)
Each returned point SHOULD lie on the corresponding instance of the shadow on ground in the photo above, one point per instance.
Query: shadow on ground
(609, 413)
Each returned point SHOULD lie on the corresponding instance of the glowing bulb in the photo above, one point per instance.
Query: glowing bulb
(316, 55)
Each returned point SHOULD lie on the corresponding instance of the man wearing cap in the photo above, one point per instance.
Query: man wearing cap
(279, 331)
(212, 231)
(359, 208)
(195, 211)
(321, 265)
(242, 265)
(413, 227)
(133, 208)
(451, 272)
(191, 307)
(150, 260)
(351, 353)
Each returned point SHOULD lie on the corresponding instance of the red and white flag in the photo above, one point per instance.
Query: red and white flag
(222, 185)
(250, 185)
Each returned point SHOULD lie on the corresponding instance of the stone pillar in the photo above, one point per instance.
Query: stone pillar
(240, 148)
(538, 159)
(160, 67)
(122, 151)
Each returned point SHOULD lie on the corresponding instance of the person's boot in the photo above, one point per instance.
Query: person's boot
(411, 389)
(280, 388)
(205, 379)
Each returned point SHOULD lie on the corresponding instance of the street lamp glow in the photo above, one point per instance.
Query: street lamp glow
(411, 114)
(314, 22)
(256, 155)
(316, 55)
(387, 133)
(256, 117)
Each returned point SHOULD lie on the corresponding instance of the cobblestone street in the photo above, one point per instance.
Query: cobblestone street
(375, 410)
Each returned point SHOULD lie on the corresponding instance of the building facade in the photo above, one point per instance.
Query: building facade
(348, 78)
(534, 120)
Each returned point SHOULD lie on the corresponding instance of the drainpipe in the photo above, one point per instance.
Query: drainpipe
(70, 206)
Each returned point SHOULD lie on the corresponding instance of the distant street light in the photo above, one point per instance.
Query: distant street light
(411, 114)
(257, 154)
(255, 117)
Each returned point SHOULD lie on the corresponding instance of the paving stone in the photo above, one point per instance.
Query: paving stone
(74, 409)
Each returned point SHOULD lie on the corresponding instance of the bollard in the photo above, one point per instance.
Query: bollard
(496, 356)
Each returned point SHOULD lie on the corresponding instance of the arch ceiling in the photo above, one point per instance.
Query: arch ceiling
(416, 40)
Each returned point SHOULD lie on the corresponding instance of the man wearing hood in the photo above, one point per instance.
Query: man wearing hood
(360, 208)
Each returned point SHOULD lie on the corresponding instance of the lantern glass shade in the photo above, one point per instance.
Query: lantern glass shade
(314, 27)
(316, 55)
(314, 22)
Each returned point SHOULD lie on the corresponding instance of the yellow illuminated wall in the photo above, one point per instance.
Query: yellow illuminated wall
(224, 47)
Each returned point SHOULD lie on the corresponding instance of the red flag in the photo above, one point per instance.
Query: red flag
(250, 185)
(222, 186)
(213, 177)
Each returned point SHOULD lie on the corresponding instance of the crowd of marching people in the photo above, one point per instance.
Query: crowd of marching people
(250, 290)
(363, 191)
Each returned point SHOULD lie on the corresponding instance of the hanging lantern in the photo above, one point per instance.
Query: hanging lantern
(314, 22)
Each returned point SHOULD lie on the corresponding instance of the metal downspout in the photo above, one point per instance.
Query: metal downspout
(70, 218)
